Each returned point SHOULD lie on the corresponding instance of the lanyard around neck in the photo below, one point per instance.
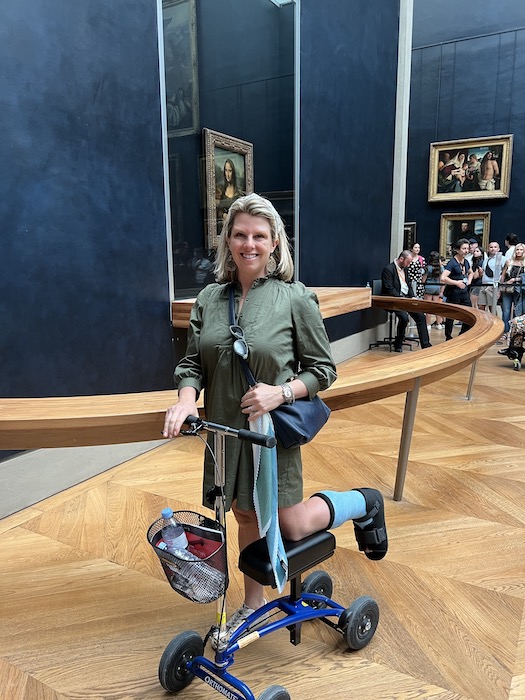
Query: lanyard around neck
(245, 366)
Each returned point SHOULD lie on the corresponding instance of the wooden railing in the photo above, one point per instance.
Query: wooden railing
(333, 301)
(359, 382)
(29, 423)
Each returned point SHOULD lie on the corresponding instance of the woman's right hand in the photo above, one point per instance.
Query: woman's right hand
(177, 414)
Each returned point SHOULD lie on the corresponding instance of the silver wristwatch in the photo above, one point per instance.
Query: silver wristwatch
(288, 395)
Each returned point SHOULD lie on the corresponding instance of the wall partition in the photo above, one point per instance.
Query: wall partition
(229, 67)
(84, 299)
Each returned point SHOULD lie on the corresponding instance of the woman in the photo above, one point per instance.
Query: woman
(227, 193)
(510, 286)
(457, 277)
(478, 259)
(416, 270)
(288, 352)
(432, 285)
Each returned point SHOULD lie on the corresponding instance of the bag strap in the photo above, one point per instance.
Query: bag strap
(245, 366)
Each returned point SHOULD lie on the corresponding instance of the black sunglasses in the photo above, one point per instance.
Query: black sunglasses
(240, 346)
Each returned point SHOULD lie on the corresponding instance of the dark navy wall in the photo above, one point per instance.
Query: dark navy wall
(246, 87)
(84, 300)
(469, 85)
(348, 90)
(440, 21)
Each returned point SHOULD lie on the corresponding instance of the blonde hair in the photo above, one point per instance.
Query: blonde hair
(254, 205)
(513, 260)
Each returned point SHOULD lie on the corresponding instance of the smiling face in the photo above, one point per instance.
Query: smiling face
(251, 245)
(519, 251)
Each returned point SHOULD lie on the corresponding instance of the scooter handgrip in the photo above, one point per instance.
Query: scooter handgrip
(257, 438)
(190, 420)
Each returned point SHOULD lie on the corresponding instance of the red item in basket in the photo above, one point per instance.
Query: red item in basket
(200, 546)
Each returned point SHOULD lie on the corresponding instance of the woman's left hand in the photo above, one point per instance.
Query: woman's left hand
(260, 399)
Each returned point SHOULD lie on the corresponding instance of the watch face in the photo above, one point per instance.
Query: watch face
(287, 393)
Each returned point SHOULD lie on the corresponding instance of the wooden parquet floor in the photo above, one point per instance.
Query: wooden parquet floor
(86, 611)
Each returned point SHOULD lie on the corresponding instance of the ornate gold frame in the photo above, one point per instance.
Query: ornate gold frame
(456, 185)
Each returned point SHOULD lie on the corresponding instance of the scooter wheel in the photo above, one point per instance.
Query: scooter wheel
(274, 692)
(318, 582)
(359, 622)
(173, 670)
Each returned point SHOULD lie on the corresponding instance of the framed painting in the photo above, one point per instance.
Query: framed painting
(409, 235)
(229, 175)
(470, 169)
(455, 226)
(180, 60)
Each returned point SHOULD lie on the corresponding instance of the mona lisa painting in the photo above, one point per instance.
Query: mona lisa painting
(229, 175)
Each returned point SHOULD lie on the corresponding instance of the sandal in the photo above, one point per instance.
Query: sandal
(372, 539)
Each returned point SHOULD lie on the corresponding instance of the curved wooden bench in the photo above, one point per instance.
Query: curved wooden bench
(31, 423)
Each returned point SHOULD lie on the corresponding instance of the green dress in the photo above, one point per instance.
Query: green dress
(286, 339)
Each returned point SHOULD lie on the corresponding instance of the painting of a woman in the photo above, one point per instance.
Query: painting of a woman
(229, 175)
(228, 190)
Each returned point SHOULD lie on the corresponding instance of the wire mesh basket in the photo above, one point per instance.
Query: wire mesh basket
(202, 575)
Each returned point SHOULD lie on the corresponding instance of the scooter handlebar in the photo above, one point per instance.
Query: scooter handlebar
(256, 438)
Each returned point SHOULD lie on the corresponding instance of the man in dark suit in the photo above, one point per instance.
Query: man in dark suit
(395, 283)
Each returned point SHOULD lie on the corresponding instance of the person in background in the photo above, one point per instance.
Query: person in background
(394, 283)
(416, 270)
(516, 346)
(457, 277)
(201, 266)
(491, 274)
(433, 286)
(289, 354)
(510, 241)
(477, 260)
(511, 284)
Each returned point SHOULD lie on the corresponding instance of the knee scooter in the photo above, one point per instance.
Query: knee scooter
(183, 658)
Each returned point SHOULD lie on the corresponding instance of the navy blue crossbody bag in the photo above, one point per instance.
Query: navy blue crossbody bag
(295, 423)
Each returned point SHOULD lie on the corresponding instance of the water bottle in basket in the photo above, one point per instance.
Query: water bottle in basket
(176, 543)
(173, 533)
(190, 575)
(194, 558)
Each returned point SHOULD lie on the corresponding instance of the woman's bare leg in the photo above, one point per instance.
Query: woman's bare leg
(304, 518)
(428, 297)
(248, 533)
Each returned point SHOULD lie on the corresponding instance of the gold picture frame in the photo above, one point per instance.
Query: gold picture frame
(229, 175)
(467, 225)
(470, 169)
